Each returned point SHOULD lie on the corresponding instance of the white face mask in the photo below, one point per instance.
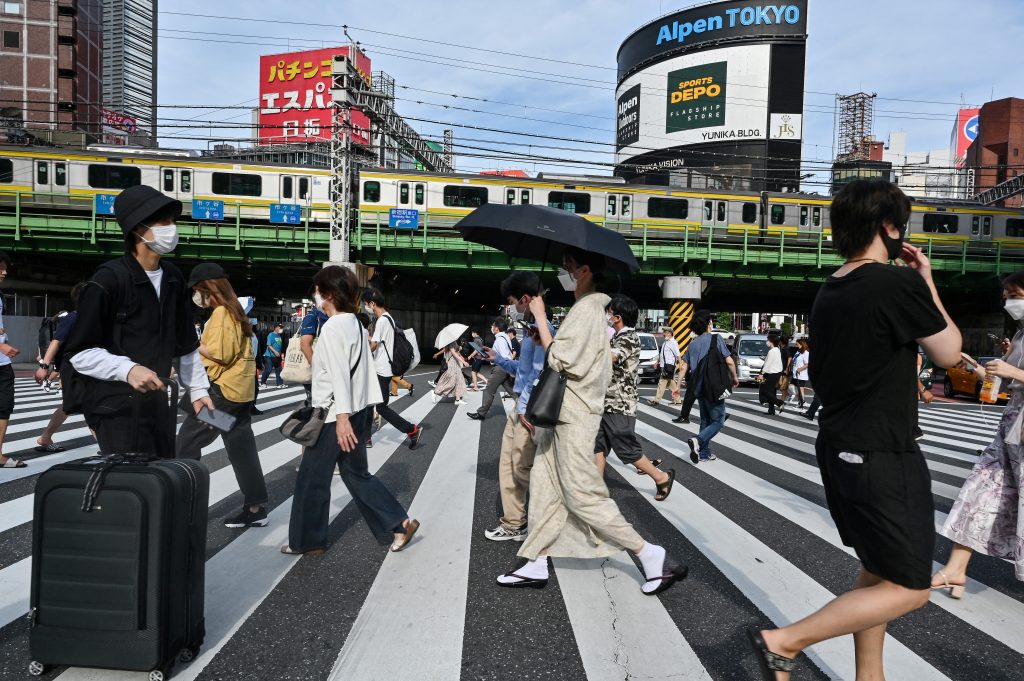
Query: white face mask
(1015, 308)
(567, 280)
(319, 301)
(165, 239)
(199, 299)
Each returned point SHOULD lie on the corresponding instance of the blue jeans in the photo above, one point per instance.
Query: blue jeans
(712, 418)
(271, 364)
(307, 528)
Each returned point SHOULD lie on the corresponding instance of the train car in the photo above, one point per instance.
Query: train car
(55, 179)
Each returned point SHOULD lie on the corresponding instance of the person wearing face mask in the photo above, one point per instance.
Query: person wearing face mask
(868, 319)
(134, 319)
(227, 353)
(499, 378)
(571, 513)
(988, 515)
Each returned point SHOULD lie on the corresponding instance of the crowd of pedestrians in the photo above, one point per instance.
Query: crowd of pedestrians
(133, 326)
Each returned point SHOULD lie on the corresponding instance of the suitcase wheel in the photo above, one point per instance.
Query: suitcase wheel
(188, 654)
(159, 675)
(36, 668)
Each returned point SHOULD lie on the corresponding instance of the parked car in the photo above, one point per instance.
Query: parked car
(965, 382)
(648, 369)
(750, 351)
(727, 336)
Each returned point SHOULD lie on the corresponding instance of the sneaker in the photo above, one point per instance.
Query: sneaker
(378, 421)
(433, 398)
(694, 444)
(460, 401)
(282, 386)
(502, 533)
(248, 519)
(808, 416)
(414, 436)
(709, 457)
(431, 384)
(369, 442)
(782, 407)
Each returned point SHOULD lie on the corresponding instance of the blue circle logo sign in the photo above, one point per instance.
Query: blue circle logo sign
(971, 128)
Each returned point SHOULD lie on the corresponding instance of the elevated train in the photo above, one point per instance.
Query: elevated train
(54, 180)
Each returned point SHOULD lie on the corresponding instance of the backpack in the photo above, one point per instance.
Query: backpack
(716, 379)
(76, 386)
(47, 330)
(406, 351)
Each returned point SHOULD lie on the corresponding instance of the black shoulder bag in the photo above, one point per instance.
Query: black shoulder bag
(545, 403)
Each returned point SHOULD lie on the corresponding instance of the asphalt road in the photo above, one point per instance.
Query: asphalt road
(753, 528)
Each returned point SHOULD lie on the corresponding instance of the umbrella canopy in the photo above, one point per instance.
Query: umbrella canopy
(449, 334)
(542, 233)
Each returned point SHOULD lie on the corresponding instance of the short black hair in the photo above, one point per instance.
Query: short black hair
(364, 319)
(858, 211)
(700, 321)
(76, 291)
(5, 259)
(595, 261)
(339, 285)
(372, 295)
(511, 331)
(625, 307)
(1015, 280)
(520, 283)
(498, 322)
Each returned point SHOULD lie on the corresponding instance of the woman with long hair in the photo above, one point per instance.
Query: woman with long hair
(452, 383)
(345, 384)
(571, 514)
(226, 349)
(988, 515)
(770, 373)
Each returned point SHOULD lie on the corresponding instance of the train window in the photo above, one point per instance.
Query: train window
(816, 216)
(524, 196)
(1015, 227)
(464, 196)
(574, 202)
(986, 226)
(114, 176)
(611, 204)
(237, 184)
(304, 188)
(60, 174)
(371, 192)
(721, 211)
(672, 209)
(403, 192)
(186, 181)
(778, 215)
(803, 216)
(42, 172)
(975, 222)
(420, 194)
(941, 223)
(168, 180)
(750, 213)
(709, 210)
(510, 196)
(286, 187)
(626, 206)
(6, 170)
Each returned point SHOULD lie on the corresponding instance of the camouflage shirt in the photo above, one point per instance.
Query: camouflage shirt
(622, 395)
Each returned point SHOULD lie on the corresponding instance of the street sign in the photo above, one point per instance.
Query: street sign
(403, 218)
(285, 213)
(971, 128)
(105, 204)
(205, 209)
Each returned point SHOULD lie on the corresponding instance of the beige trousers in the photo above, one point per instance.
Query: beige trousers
(517, 452)
(663, 384)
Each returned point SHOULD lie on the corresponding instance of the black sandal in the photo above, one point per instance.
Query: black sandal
(665, 488)
(524, 583)
(676, 575)
(655, 463)
(768, 661)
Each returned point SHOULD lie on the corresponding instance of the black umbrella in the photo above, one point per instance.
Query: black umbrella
(542, 233)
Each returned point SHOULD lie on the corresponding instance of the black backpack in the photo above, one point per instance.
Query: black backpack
(403, 355)
(716, 381)
(47, 330)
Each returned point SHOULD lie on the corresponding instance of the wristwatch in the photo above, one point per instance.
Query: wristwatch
(44, 365)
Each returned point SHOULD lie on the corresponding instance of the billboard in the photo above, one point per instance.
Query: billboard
(295, 97)
(965, 131)
(708, 96)
(117, 127)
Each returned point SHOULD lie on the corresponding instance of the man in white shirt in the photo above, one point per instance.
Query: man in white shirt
(133, 320)
(382, 343)
(668, 358)
(7, 351)
(503, 348)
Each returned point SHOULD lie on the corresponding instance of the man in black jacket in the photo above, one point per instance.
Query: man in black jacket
(133, 321)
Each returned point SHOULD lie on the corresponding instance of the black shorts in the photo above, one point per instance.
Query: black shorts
(798, 382)
(883, 509)
(6, 391)
(618, 433)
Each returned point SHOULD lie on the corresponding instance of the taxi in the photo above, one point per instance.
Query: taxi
(960, 381)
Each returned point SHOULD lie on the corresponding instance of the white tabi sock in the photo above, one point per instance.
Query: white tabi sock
(534, 569)
(652, 557)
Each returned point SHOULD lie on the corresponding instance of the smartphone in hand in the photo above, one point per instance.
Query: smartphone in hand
(220, 420)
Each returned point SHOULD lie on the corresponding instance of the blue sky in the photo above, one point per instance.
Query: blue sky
(920, 56)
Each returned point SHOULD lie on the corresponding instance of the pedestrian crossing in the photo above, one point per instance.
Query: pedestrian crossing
(752, 526)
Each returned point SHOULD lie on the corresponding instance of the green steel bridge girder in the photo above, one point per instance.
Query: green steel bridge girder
(784, 258)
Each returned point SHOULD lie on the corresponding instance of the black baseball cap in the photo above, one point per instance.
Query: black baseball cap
(135, 205)
(204, 271)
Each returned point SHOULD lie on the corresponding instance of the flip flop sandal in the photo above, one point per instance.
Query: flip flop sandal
(655, 463)
(665, 488)
(676, 575)
(14, 463)
(400, 544)
(52, 448)
(292, 552)
(767, 661)
(524, 582)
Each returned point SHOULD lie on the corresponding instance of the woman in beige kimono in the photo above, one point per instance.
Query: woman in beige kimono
(571, 514)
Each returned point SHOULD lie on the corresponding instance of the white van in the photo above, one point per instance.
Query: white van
(750, 351)
(648, 370)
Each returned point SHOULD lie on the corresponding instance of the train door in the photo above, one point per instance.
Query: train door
(50, 178)
(518, 195)
(715, 215)
(619, 211)
(169, 181)
(297, 189)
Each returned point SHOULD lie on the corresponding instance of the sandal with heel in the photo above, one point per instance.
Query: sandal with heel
(956, 591)
(767, 661)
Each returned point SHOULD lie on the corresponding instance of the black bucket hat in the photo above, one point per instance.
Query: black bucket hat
(204, 271)
(135, 205)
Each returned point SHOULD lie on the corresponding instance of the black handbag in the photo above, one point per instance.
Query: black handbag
(545, 403)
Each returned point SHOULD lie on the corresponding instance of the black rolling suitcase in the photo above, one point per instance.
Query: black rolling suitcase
(118, 563)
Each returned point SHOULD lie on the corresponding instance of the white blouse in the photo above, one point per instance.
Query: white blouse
(773, 362)
(344, 377)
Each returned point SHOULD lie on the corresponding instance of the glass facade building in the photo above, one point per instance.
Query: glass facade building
(129, 60)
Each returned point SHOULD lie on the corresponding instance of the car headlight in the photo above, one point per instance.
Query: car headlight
(926, 374)
(744, 363)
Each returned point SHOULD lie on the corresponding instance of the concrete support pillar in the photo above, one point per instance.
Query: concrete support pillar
(682, 295)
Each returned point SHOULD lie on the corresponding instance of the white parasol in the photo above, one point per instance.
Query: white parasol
(449, 334)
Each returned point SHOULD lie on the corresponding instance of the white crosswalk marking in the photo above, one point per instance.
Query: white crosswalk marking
(412, 623)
